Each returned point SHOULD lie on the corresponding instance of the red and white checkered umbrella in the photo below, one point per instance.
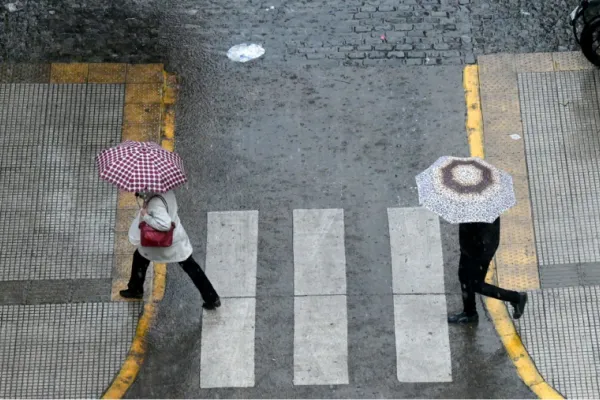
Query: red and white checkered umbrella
(141, 167)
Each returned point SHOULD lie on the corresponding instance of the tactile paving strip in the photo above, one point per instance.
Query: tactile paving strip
(516, 259)
(58, 217)
(561, 330)
(63, 350)
(561, 121)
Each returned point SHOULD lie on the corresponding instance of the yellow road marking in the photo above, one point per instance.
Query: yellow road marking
(68, 73)
(136, 131)
(474, 121)
(107, 73)
(145, 73)
(498, 311)
(150, 93)
(140, 113)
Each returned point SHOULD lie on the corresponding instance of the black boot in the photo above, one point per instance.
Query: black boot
(463, 318)
(135, 287)
(212, 306)
(519, 307)
(132, 294)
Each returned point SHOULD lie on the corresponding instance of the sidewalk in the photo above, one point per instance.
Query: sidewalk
(64, 332)
(541, 115)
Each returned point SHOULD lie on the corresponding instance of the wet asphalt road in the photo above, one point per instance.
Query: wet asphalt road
(293, 131)
(337, 138)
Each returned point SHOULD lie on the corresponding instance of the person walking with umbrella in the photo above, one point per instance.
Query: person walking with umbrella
(472, 193)
(152, 172)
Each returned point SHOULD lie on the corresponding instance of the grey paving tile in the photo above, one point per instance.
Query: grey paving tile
(553, 276)
(57, 291)
(13, 292)
(92, 290)
(590, 274)
(561, 329)
(52, 179)
(24, 73)
(63, 350)
(560, 113)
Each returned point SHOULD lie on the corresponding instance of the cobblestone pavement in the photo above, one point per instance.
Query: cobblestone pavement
(521, 26)
(347, 32)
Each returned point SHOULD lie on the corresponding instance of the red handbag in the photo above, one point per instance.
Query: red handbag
(150, 237)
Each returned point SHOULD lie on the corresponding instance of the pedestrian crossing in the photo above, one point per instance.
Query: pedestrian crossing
(423, 348)
(320, 312)
(320, 354)
(227, 347)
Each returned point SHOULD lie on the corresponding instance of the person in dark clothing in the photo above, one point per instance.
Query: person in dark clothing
(139, 267)
(478, 244)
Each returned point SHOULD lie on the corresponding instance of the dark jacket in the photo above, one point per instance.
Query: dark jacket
(479, 240)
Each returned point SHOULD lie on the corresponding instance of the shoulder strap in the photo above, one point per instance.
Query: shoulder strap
(162, 198)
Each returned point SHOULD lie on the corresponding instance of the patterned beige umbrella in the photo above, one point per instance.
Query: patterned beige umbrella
(464, 190)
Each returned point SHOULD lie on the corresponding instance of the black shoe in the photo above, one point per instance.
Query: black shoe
(131, 294)
(212, 306)
(519, 307)
(463, 318)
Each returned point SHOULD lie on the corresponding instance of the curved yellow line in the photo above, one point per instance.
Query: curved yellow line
(135, 358)
(502, 322)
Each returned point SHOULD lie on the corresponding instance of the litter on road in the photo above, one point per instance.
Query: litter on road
(245, 52)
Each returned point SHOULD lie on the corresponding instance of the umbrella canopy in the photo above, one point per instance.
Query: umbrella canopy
(462, 190)
(141, 167)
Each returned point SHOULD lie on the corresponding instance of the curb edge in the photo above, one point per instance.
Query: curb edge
(504, 325)
(135, 358)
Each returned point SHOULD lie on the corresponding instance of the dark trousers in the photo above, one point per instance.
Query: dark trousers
(471, 273)
(190, 266)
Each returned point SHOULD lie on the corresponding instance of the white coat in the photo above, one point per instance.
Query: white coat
(158, 218)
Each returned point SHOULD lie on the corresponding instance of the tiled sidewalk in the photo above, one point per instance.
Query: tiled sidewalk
(541, 116)
(63, 330)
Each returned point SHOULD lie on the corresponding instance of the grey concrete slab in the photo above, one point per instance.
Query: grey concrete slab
(320, 340)
(227, 350)
(319, 252)
(14, 292)
(422, 346)
(590, 274)
(416, 246)
(560, 275)
(231, 252)
(579, 274)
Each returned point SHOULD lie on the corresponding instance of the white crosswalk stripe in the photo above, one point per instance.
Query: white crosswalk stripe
(227, 347)
(320, 299)
(320, 312)
(422, 344)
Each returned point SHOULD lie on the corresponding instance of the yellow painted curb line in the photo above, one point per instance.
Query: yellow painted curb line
(135, 358)
(474, 121)
(497, 309)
